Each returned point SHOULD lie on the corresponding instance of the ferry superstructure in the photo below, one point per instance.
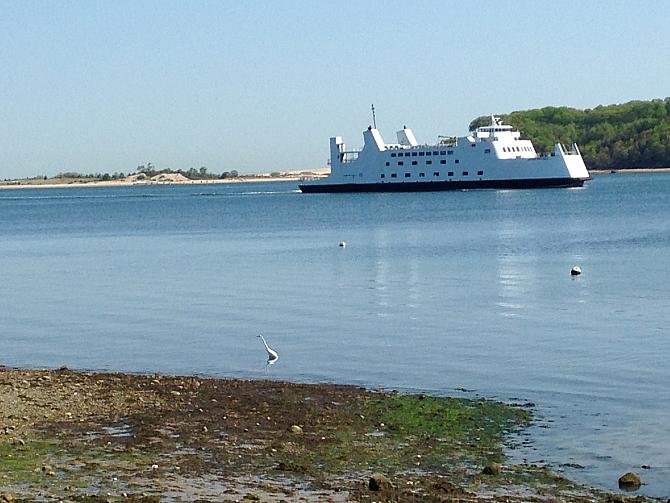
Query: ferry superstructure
(490, 157)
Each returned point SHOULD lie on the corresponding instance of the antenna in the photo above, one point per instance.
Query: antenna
(374, 119)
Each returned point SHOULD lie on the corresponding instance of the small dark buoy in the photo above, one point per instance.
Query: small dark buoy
(342, 244)
(576, 271)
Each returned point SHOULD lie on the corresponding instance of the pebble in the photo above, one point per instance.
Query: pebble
(380, 482)
(296, 429)
(491, 469)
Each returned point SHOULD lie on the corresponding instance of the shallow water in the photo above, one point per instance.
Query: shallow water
(434, 291)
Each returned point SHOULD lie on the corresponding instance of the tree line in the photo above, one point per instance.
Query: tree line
(149, 170)
(629, 135)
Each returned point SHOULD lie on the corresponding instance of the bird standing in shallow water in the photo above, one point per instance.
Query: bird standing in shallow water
(272, 354)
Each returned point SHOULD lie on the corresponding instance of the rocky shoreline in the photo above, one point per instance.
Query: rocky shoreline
(90, 436)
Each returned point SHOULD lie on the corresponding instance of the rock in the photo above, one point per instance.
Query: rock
(491, 469)
(630, 481)
(296, 429)
(6, 498)
(380, 482)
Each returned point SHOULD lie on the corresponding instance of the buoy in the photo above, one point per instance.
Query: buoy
(342, 244)
(576, 271)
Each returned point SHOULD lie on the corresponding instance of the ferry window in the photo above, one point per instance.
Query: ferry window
(400, 163)
(428, 153)
(422, 175)
(450, 152)
(406, 154)
(435, 152)
(436, 173)
(388, 163)
(413, 163)
(465, 173)
(456, 161)
(443, 152)
(414, 154)
(487, 150)
(407, 175)
(480, 173)
(393, 154)
(393, 175)
(382, 175)
(421, 154)
(474, 145)
(429, 162)
(443, 161)
(451, 173)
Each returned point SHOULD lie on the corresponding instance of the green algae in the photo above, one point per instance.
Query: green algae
(406, 432)
(26, 462)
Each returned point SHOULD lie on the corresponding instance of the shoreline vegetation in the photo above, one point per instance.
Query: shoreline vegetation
(177, 179)
(93, 436)
(627, 135)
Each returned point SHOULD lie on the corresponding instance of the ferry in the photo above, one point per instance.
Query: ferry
(490, 157)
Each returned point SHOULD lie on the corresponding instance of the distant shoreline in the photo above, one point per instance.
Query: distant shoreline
(629, 170)
(289, 176)
(162, 179)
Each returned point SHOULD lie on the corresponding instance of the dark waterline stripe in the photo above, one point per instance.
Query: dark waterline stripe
(444, 185)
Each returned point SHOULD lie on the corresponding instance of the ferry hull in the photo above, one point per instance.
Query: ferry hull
(529, 183)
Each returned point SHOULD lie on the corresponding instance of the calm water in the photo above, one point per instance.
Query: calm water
(435, 291)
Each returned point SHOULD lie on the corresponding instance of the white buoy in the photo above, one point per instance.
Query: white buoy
(576, 271)
(342, 244)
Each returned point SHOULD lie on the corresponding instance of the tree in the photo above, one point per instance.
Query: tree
(628, 135)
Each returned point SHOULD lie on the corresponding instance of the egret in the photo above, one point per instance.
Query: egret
(272, 354)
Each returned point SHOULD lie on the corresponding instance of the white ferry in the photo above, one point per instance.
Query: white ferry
(490, 157)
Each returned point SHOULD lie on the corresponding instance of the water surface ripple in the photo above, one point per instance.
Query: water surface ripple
(434, 291)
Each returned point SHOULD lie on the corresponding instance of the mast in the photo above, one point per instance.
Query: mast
(374, 119)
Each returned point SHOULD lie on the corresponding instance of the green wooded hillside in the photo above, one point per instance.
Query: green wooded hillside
(631, 135)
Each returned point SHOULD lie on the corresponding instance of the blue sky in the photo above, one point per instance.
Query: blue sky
(102, 86)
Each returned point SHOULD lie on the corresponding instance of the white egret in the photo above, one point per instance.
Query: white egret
(272, 354)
